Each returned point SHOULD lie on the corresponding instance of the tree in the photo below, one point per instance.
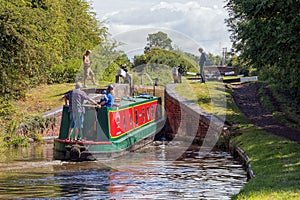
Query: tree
(159, 39)
(39, 36)
(212, 60)
(266, 35)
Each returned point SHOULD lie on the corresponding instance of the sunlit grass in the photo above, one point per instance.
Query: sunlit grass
(276, 162)
(213, 97)
(45, 98)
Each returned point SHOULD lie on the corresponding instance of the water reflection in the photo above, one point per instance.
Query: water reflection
(213, 175)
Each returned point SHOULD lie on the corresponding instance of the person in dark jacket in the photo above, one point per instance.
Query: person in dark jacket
(202, 64)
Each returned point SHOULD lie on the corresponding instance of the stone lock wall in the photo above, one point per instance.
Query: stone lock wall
(186, 120)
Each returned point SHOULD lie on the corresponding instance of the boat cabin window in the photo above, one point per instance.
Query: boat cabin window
(148, 113)
(152, 110)
(124, 123)
(143, 115)
(130, 120)
(136, 118)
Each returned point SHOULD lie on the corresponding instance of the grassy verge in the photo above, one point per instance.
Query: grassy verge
(45, 98)
(42, 99)
(275, 160)
(28, 111)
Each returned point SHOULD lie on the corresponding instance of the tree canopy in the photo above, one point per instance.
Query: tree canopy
(38, 35)
(266, 35)
(159, 39)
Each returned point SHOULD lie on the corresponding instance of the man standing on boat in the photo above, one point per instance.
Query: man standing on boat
(76, 99)
(87, 68)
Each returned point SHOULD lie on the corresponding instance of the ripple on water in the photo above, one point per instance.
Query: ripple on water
(213, 175)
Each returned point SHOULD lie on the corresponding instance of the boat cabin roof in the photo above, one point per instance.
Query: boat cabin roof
(132, 100)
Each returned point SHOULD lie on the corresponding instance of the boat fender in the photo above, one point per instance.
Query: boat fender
(74, 153)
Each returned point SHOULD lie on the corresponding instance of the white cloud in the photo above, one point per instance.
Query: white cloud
(200, 22)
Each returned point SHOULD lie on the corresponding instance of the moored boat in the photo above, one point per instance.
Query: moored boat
(110, 132)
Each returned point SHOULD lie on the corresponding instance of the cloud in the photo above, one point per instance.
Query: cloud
(200, 21)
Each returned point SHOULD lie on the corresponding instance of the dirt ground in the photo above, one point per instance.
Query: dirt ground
(246, 97)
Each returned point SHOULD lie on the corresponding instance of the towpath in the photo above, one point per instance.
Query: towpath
(246, 98)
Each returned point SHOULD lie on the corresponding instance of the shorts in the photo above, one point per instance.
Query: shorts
(78, 119)
(88, 71)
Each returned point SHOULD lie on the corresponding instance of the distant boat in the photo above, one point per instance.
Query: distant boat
(109, 132)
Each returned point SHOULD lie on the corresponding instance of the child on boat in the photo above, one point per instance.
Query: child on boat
(104, 98)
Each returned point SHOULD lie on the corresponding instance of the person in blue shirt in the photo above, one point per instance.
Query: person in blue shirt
(110, 96)
(104, 98)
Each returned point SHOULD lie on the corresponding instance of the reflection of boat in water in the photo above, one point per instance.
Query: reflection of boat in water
(111, 131)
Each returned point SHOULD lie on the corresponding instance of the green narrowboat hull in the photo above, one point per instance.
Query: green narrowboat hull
(90, 151)
(104, 138)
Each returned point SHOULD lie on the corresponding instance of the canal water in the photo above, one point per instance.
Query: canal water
(31, 173)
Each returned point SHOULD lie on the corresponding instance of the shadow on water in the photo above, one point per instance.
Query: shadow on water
(33, 174)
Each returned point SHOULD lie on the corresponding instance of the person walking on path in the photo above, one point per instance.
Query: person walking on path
(202, 64)
(76, 99)
(87, 68)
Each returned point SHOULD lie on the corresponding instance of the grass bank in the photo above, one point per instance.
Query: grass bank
(28, 111)
(275, 160)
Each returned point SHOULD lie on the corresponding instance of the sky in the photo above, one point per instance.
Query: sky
(190, 24)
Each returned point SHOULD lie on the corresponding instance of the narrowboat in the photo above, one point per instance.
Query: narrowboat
(109, 132)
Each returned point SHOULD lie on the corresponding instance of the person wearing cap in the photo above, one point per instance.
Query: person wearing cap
(76, 99)
(87, 68)
(104, 98)
(110, 96)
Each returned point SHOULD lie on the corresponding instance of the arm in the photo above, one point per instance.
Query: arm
(66, 100)
(94, 102)
(86, 61)
(67, 97)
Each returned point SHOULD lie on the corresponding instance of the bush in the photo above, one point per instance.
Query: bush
(64, 73)
(7, 109)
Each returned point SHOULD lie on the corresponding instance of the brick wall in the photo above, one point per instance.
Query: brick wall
(186, 120)
(53, 128)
